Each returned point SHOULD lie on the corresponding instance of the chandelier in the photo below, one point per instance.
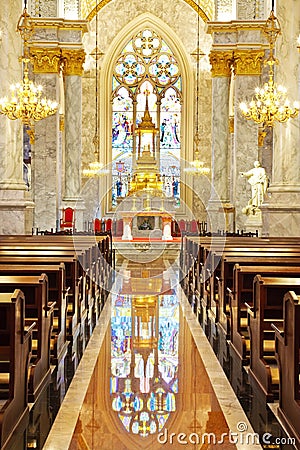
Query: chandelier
(26, 102)
(95, 167)
(197, 166)
(270, 103)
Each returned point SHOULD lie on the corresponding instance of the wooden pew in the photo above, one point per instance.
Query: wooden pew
(267, 309)
(223, 273)
(74, 280)
(39, 311)
(15, 347)
(54, 249)
(96, 249)
(242, 294)
(287, 347)
(57, 293)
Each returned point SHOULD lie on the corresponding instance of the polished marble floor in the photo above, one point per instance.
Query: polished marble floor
(149, 378)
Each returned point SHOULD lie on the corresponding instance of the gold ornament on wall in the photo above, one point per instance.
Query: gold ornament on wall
(248, 62)
(73, 61)
(45, 60)
(221, 62)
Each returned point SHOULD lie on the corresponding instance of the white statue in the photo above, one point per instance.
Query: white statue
(258, 180)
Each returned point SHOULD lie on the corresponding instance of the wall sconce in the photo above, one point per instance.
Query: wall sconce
(298, 43)
(1, 35)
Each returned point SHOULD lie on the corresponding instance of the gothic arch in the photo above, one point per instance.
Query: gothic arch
(90, 8)
(107, 67)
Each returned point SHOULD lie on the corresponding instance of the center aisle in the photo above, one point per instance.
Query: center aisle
(155, 383)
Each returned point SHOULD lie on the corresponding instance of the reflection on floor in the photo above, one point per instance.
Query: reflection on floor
(155, 383)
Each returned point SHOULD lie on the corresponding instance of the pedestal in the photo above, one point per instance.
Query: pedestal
(254, 222)
(127, 233)
(167, 228)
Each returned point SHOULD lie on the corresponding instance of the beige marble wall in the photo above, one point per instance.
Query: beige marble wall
(281, 212)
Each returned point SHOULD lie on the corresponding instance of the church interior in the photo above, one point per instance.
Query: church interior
(150, 223)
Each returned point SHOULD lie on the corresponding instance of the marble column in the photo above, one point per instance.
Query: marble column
(14, 205)
(73, 70)
(281, 210)
(221, 71)
(46, 67)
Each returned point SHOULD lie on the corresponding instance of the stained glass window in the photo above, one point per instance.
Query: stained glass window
(146, 66)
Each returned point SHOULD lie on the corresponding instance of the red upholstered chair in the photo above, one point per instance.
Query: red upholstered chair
(194, 227)
(108, 225)
(97, 225)
(68, 218)
(119, 227)
(182, 226)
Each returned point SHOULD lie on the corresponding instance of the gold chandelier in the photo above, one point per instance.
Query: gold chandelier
(197, 166)
(270, 103)
(26, 102)
(95, 167)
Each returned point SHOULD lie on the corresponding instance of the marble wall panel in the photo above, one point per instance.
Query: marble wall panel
(246, 9)
(225, 38)
(46, 34)
(251, 36)
(220, 137)
(69, 35)
(11, 164)
(44, 161)
(12, 186)
(286, 160)
(73, 101)
(40, 8)
(281, 213)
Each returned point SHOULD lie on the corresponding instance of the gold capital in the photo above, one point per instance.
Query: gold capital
(221, 62)
(248, 62)
(73, 61)
(45, 60)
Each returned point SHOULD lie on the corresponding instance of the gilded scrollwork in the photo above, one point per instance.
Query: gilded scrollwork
(248, 62)
(73, 61)
(221, 62)
(45, 60)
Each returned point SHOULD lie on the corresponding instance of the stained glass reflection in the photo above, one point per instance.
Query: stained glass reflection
(144, 361)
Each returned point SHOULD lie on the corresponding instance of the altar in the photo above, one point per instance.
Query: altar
(146, 224)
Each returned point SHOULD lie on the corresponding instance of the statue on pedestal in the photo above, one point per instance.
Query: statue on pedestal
(259, 181)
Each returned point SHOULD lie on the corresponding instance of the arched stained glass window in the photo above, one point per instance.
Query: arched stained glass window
(146, 67)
